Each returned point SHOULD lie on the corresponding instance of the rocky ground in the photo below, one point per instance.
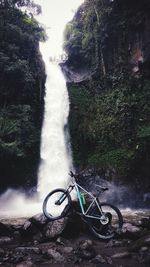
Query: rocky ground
(67, 242)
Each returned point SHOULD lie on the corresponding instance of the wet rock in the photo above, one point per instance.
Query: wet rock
(6, 240)
(54, 228)
(98, 259)
(38, 238)
(60, 241)
(16, 236)
(145, 223)
(55, 255)
(25, 264)
(141, 242)
(29, 230)
(16, 258)
(109, 260)
(2, 252)
(130, 231)
(29, 227)
(86, 250)
(25, 250)
(4, 229)
(73, 75)
(121, 255)
(144, 255)
(39, 220)
(75, 225)
(67, 250)
(86, 244)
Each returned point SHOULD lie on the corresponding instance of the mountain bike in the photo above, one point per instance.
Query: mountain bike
(103, 219)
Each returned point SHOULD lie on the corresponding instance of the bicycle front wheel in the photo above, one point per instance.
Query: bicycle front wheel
(56, 204)
(108, 222)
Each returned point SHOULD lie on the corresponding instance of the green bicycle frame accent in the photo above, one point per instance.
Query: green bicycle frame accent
(80, 198)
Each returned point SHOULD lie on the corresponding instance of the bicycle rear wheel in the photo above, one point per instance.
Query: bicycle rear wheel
(108, 223)
(56, 204)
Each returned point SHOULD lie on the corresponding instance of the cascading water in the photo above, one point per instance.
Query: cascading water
(55, 160)
(54, 165)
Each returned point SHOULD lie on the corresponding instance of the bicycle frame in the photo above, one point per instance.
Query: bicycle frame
(85, 212)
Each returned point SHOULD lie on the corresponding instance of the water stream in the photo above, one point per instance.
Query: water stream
(55, 157)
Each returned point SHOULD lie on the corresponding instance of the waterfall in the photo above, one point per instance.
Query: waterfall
(54, 165)
(55, 160)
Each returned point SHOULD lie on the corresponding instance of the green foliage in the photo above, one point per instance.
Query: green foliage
(144, 132)
(120, 159)
(22, 78)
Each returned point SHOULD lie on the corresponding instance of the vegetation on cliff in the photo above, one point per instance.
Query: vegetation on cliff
(22, 79)
(110, 112)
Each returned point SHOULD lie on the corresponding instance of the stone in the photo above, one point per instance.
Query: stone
(145, 223)
(98, 259)
(86, 244)
(25, 250)
(16, 236)
(2, 252)
(29, 229)
(60, 241)
(6, 240)
(54, 228)
(141, 242)
(38, 237)
(121, 255)
(109, 260)
(67, 250)
(39, 220)
(4, 229)
(130, 231)
(25, 264)
(86, 250)
(55, 255)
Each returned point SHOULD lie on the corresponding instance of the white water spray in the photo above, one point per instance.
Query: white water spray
(55, 160)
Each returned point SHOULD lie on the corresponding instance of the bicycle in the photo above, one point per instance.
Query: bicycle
(103, 219)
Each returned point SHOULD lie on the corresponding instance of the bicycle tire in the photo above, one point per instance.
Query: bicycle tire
(104, 231)
(65, 209)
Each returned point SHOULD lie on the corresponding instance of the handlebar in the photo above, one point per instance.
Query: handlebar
(76, 176)
(71, 174)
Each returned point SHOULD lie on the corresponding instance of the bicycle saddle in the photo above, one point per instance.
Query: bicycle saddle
(102, 188)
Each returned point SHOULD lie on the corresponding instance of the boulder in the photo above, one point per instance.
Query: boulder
(25, 264)
(39, 220)
(29, 230)
(145, 223)
(54, 228)
(99, 259)
(86, 250)
(67, 250)
(26, 250)
(2, 252)
(130, 231)
(5, 229)
(5, 240)
(55, 255)
(121, 255)
(138, 244)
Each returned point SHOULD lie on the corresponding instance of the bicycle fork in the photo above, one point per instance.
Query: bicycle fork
(64, 196)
